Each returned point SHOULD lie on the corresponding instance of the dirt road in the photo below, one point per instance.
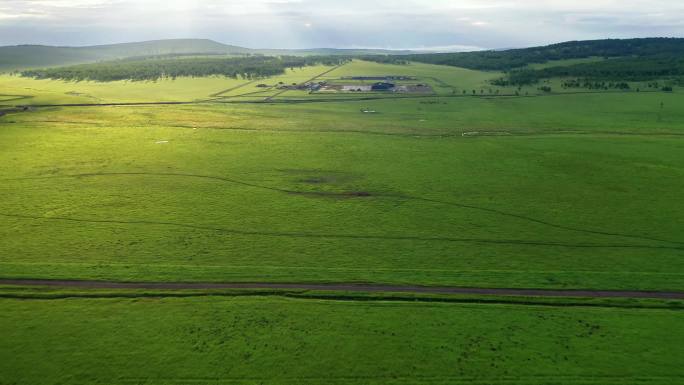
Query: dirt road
(346, 287)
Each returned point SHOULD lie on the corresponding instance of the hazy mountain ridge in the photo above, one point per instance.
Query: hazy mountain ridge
(36, 56)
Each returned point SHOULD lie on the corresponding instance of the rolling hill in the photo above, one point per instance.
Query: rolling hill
(34, 56)
(39, 56)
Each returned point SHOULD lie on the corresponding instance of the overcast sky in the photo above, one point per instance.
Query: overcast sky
(338, 23)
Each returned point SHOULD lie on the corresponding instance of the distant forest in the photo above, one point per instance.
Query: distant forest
(154, 68)
(620, 69)
(507, 60)
(625, 60)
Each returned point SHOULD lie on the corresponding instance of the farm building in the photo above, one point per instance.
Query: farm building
(382, 86)
(356, 88)
(382, 78)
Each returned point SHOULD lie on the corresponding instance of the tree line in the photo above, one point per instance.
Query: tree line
(155, 68)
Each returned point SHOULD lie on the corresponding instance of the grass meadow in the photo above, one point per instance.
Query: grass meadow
(323, 192)
(257, 340)
(574, 191)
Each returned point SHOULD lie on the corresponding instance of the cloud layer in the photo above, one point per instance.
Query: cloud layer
(334, 23)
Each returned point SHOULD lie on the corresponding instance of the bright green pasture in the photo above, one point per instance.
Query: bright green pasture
(167, 90)
(581, 192)
(633, 113)
(60, 92)
(292, 76)
(443, 79)
(266, 340)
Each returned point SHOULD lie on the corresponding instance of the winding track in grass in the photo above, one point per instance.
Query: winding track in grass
(364, 194)
(13, 98)
(345, 287)
(220, 93)
(359, 237)
(418, 135)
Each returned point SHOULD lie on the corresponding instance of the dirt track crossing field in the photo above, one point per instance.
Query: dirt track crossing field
(346, 287)
(362, 194)
(270, 98)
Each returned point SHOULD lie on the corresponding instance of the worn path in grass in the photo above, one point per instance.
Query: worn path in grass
(346, 287)
(275, 99)
(364, 194)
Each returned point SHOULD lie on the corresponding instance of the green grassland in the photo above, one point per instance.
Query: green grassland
(293, 76)
(272, 340)
(62, 92)
(187, 89)
(560, 190)
(444, 80)
(457, 191)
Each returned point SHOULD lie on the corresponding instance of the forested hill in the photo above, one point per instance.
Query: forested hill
(517, 58)
(24, 57)
(37, 56)
(623, 69)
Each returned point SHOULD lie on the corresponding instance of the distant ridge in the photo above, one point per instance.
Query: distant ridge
(37, 56)
(32, 56)
(40, 56)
